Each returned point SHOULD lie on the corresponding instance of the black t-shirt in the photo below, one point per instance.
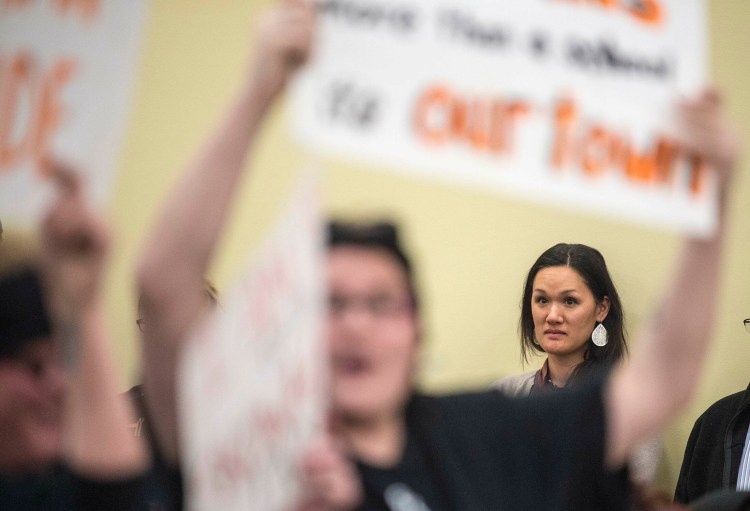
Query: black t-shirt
(59, 489)
(163, 485)
(485, 451)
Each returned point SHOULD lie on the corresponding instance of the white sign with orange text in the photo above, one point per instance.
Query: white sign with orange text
(252, 379)
(564, 102)
(66, 72)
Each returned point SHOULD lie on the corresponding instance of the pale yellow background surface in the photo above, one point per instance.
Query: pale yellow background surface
(471, 249)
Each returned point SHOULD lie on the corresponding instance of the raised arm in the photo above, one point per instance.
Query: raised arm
(179, 249)
(97, 442)
(664, 369)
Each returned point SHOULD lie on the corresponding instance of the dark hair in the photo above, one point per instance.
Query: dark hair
(378, 235)
(23, 313)
(589, 264)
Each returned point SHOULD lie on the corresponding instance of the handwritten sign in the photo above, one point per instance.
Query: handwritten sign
(66, 71)
(253, 379)
(559, 101)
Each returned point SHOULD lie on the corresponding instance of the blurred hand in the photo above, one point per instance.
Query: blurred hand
(331, 480)
(704, 131)
(285, 36)
(74, 248)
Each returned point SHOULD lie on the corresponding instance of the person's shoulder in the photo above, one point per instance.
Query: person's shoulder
(728, 403)
(515, 385)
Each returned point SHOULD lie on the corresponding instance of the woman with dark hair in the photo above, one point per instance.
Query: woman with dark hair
(571, 312)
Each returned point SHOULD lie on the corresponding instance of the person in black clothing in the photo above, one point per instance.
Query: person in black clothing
(714, 448)
(468, 452)
(64, 438)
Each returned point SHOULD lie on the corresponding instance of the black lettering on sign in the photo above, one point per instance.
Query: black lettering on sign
(401, 19)
(539, 44)
(607, 56)
(465, 28)
(347, 103)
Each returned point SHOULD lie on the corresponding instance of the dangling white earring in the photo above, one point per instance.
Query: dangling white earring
(599, 335)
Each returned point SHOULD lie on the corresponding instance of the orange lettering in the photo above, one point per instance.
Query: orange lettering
(650, 12)
(435, 102)
(596, 151)
(487, 124)
(640, 167)
(18, 80)
(478, 129)
(50, 110)
(31, 110)
(88, 9)
(565, 116)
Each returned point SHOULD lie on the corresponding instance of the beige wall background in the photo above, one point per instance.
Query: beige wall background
(472, 249)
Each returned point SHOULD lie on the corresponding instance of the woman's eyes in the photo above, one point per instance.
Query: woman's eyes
(544, 300)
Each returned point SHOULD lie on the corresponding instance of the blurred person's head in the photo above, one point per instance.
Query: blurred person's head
(32, 382)
(373, 320)
(567, 293)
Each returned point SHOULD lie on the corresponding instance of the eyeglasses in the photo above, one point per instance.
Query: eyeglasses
(378, 306)
(746, 322)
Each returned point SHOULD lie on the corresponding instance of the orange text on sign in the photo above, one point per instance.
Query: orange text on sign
(444, 117)
(487, 124)
(31, 108)
(646, 11)
(595, 149)
(86, 9)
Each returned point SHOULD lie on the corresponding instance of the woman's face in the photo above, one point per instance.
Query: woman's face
(372, 332)
(565, 312)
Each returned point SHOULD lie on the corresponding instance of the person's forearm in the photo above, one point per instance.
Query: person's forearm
(684, 321)
(179, 250)
(663, 373)
(182, 241)
(97, 439)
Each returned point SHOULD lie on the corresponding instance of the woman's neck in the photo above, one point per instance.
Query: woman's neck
(561, 369)
(377, 441)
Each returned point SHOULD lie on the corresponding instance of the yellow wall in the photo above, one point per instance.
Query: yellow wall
(472, 249)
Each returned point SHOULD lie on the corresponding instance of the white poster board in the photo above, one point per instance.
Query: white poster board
(66, 72)
(559, 101)
(252, 386)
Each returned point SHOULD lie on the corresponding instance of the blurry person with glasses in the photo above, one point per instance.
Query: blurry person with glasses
(717, 455)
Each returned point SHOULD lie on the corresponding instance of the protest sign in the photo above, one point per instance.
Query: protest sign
(559, 101)
(252, 379)
(66, 72)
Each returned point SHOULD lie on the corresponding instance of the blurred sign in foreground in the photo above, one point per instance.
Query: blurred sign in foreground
(66, 72)
(252, 386)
